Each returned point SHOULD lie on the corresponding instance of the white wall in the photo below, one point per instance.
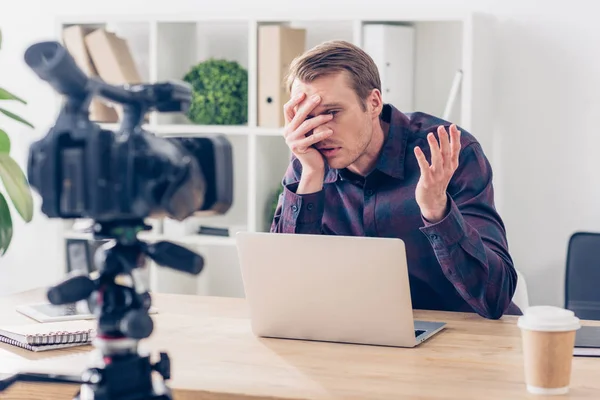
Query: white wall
(545, 142)
(34, 254)
(547, 80)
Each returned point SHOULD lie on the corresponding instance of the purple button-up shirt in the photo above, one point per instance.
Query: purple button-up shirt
(461, 263)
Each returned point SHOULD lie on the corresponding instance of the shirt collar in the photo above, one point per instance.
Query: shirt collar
(392, 157)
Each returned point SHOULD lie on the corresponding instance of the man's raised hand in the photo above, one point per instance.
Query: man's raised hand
(431, 189)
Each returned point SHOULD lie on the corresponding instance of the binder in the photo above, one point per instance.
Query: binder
(113, 60)
(112, 57)
(74, 41)
(278, 45)
(392, 48)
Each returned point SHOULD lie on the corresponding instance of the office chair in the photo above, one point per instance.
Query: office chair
(582, 275)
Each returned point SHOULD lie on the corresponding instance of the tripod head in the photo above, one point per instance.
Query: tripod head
(118, 179)
(122, 309)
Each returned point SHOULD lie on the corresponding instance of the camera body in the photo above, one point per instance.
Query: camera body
(84, 171)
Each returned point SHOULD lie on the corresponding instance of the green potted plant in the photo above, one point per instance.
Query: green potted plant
(14, 180)
(220, 93)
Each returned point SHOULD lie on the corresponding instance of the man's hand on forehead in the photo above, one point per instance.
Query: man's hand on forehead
(299, 129)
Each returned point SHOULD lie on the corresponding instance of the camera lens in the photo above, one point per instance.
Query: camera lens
(53, 63)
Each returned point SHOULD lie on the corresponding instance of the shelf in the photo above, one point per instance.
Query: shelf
(318, 32)
(271, 162)
(78, 235)
(193, 240)
(167, 45)
(181, 46)
(190, 130)
(174, 129)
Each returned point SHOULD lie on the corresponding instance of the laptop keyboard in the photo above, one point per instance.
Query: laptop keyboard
(419, 332)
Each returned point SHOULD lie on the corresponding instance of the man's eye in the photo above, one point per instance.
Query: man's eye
(332, 112)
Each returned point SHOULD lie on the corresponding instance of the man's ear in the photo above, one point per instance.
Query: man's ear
(374, 103)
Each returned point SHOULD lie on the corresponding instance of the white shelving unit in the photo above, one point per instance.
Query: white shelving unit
(166, 47)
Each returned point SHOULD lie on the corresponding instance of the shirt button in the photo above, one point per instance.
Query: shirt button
(434, 236)
(294, 208)
(310, 206)
(369, 192)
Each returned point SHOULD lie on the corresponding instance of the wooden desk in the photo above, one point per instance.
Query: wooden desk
(215, 356)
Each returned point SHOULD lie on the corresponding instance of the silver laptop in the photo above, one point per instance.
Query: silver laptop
(330, 288)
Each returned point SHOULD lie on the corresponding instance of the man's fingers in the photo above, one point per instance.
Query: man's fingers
(302, 145)
(309, 125)
(436, 156)
(289, 107)
(454, 146)
(423, 164)
(316, 137)
(303, 110)
(444, 146)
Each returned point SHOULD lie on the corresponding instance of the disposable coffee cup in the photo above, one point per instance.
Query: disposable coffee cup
(548, 337)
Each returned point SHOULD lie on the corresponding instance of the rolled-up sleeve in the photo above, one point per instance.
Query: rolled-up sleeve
(298, 213)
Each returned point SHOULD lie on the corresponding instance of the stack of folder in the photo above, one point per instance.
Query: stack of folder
(100, 53)
(278, 45)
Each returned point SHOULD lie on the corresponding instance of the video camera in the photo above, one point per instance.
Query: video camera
(83, 171)
(118, 179)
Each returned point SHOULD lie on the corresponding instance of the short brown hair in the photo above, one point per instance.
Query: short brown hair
(337, 56)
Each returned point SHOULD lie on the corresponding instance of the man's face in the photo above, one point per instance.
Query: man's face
(351, 125)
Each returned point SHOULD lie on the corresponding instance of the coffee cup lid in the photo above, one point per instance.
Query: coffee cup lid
(548, 318)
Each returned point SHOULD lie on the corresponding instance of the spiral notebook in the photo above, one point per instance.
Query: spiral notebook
(49, 336)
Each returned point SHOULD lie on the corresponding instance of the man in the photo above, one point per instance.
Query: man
(363, 168)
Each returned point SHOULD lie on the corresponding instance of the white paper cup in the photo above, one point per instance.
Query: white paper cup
(548, 335)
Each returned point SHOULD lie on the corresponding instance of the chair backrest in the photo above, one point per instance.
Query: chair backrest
(582, 276)
(521, 296)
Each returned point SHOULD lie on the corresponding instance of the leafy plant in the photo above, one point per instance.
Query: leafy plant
(12, 177)
(220, 93)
